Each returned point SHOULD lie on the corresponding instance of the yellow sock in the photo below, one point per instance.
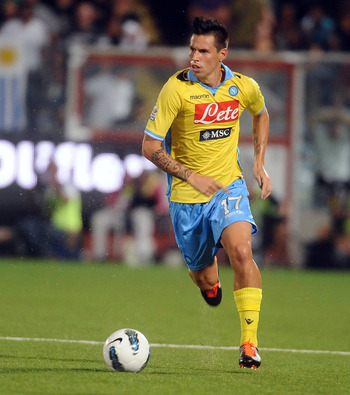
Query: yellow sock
(248, 302)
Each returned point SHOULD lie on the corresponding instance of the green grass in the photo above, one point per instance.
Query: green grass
(301, 310)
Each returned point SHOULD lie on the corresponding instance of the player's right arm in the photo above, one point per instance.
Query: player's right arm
(153, 150)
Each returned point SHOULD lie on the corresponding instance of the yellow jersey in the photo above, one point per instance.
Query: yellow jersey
(200, 127)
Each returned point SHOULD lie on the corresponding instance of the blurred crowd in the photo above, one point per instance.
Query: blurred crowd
(134, 24)
(127, 223)
(48, 29)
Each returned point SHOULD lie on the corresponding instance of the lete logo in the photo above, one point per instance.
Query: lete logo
(216, 112)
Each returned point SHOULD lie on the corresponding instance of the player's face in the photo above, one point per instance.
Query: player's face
(206, 59)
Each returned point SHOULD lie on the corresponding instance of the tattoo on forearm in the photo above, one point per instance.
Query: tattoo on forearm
(257, 145)
(165, 162)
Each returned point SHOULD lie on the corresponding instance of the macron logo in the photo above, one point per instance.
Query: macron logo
(208, 113)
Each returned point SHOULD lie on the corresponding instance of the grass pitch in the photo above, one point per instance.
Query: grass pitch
(48, 308)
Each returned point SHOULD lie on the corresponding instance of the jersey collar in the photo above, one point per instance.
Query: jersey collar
(228, 74)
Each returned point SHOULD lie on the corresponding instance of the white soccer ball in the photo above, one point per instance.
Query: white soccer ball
(126, 350)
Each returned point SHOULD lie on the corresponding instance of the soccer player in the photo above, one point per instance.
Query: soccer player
(192, 135)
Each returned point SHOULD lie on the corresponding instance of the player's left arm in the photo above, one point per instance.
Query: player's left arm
(261, 124)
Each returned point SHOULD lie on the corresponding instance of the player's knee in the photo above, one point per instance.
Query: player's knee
(240, 254)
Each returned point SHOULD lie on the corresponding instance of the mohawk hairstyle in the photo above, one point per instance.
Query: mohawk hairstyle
(210, 26)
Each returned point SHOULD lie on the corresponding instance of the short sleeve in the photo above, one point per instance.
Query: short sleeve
(165, 111)
(255, 99)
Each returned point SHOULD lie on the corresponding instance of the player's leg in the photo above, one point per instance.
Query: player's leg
(236, 240)
(196, 242)
(207, 280)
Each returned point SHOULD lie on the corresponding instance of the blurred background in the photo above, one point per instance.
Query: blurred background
(78, 80)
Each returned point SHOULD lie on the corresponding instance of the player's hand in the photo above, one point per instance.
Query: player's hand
(263, 180)
(205, 184)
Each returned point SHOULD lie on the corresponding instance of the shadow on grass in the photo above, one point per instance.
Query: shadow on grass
(198, 371)
(150, 370)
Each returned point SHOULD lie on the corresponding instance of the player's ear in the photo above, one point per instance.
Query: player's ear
(223, 54)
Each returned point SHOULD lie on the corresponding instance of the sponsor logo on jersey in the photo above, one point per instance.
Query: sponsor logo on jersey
(197, 97)
(208, 113)
(154, 113)
(214, 134)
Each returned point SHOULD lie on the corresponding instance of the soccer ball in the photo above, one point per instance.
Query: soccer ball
(126, 350)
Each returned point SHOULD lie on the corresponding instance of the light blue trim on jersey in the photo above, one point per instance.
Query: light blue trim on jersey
(263, 109)
(153, 135)
(239, 160)
(228, 74)
(167, 146)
